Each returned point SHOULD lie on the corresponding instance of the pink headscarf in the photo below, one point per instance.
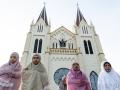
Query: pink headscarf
(72, 79)
(76, 74)
(16, 66)
(11, 73)
(12, 67)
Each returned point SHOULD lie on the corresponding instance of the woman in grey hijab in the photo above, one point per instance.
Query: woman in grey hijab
(34, 76)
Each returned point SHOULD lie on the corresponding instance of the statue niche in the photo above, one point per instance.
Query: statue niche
(62, 43)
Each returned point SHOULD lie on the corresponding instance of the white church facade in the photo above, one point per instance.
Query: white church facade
(60, 48)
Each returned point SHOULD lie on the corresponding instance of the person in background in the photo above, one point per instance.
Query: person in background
(108, 79)
(10, 73)
(62, 84)
(34, 76)
(76, 79)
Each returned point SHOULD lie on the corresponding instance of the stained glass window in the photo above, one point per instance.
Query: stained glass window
(93, 80)
(59, 73)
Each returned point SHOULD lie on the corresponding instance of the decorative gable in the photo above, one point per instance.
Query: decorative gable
(62, 38)
(62, 34)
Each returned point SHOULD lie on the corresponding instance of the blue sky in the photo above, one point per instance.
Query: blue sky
(17, 15)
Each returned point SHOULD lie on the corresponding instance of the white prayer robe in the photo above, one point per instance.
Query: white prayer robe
(108, 81)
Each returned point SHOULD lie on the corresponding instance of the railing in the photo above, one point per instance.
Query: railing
(63, 51)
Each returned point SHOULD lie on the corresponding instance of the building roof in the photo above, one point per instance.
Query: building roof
(43, 15)
(79, 17)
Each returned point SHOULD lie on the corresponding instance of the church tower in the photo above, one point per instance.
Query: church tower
(60, 48)
(90, 47)
(37, 39)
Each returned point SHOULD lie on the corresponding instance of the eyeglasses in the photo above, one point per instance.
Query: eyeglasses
(35, 57)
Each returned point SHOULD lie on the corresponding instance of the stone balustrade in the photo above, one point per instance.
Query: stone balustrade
(63, 51)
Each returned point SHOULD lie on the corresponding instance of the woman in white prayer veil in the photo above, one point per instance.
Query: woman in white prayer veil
(34, 76)
(108, 79)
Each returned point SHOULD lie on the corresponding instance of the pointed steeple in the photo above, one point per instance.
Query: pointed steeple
(79, 16)
(43, 15)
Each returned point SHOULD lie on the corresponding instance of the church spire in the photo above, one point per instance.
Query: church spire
(43, 15)
(79, 16)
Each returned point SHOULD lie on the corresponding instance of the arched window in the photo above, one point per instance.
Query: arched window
(59, 73)
(40, 46)
(84, 27)
(83, 30)
(35, 46)
(53, 45)
(90, 47)
(56, 45)
(93, 80)
(86, 47)
(87, 31)
(72, 45)
(38, 30)
(69, 45)
(40, 26)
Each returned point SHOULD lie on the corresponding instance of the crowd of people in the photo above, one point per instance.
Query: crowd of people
(34, 76)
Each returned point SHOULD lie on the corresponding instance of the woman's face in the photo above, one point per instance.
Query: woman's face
(107, 67)
(13, 59)
(35, 60)
(76, 67)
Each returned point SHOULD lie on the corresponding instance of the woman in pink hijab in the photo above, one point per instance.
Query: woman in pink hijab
(76, 79)
(10, 73)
